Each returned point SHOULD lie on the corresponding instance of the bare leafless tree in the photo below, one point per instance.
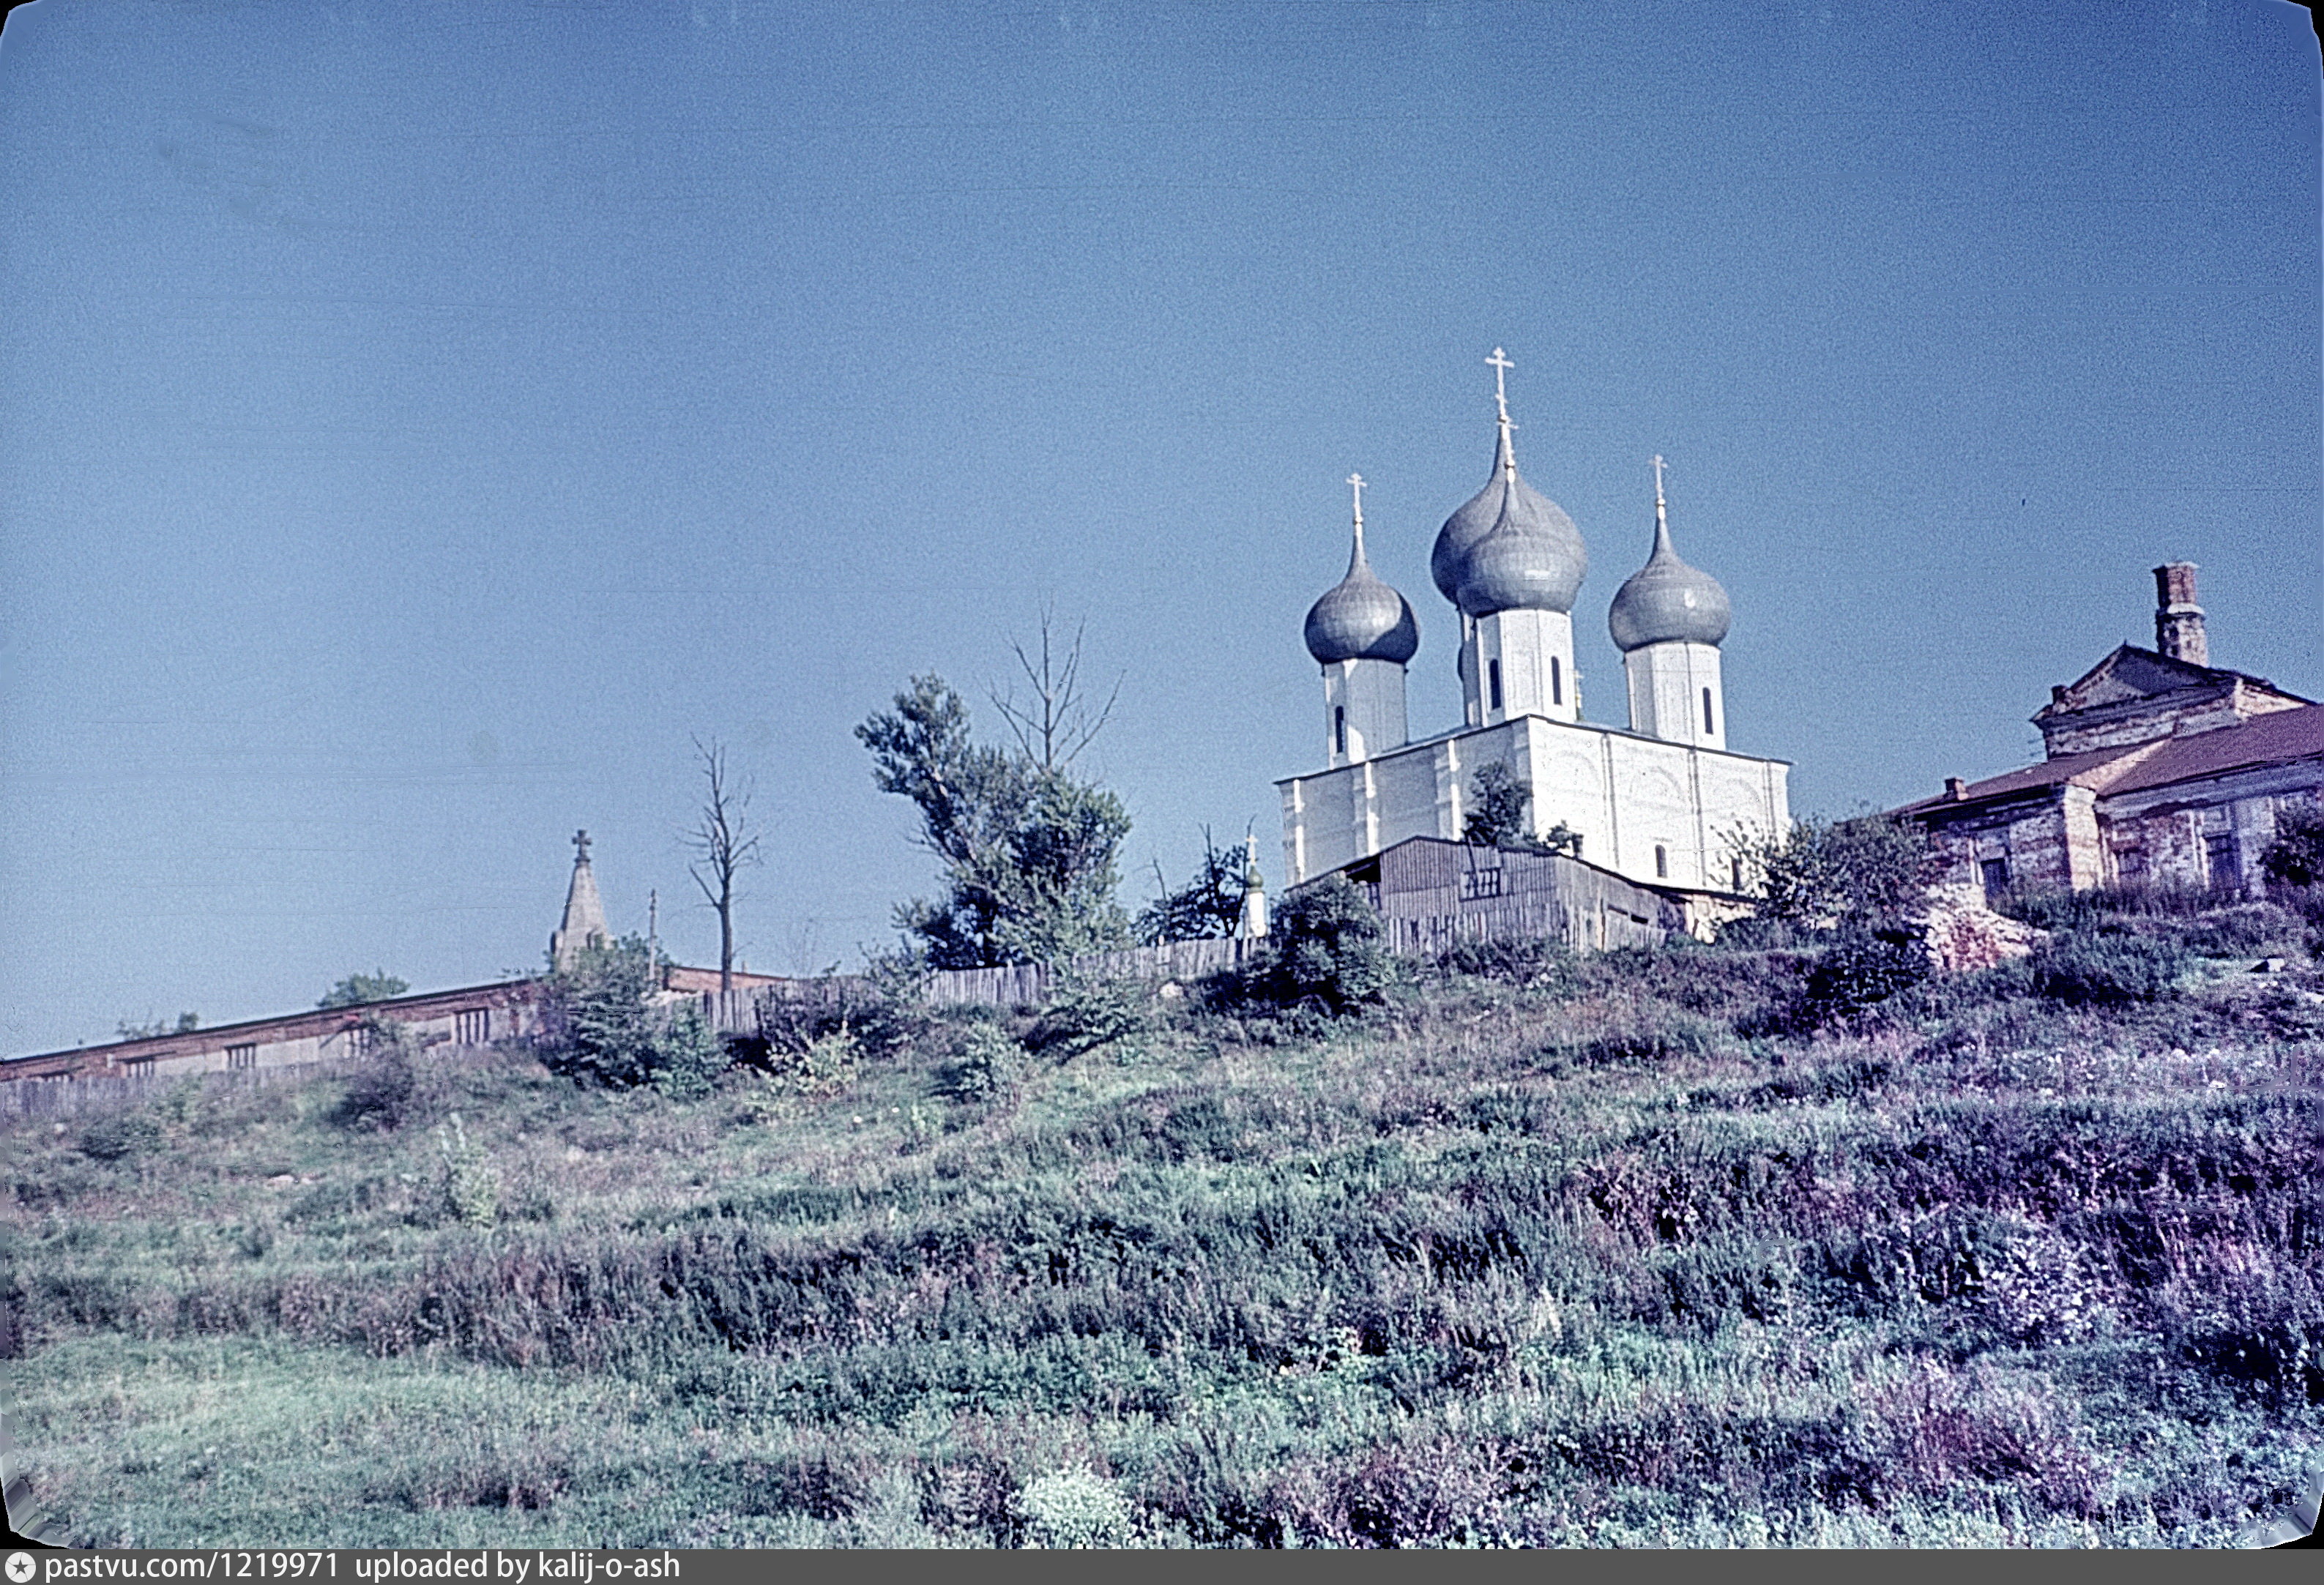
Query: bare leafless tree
(722, 840)
(1057, 723)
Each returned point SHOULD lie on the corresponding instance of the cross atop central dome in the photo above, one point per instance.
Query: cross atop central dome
(1509, 547)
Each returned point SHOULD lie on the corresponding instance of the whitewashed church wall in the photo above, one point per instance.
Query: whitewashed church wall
(1568, 778)
(1667, 683)
(1408, 798)
(1525, 643)
(1371, 693)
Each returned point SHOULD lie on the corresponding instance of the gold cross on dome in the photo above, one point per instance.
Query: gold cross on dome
(1358, 480)
(1658, 477)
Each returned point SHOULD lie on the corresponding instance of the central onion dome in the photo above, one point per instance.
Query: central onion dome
(1509, 547)
(1361, 618)
(1667, 601)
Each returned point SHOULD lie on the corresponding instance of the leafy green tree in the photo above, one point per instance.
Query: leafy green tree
(357, 988)
(1209, 905)
(604, 1030)
(1830, 873)
(1028, 850)
(186, 1025)
(2296, 855)
(1496, 816)
(1328, 950)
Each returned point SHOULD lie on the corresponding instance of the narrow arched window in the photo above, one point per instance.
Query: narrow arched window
(1556, 683)
(1662, 862)
(1736, 867)
(1493, 675)
(1708, 724)
(1340, 729)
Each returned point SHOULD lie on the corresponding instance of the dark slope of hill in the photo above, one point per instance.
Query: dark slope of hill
(1546, 1252)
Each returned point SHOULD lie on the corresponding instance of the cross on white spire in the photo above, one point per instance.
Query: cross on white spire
(1356, 480)
(1658, 478)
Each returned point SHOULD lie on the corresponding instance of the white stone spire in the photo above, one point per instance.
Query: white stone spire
(584, 913)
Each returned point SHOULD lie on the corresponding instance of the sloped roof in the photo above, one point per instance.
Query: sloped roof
(2132, 673)
(2099, 770)
(2273, 739)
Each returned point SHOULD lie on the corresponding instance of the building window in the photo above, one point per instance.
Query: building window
(1493, 676)
(241, 1058)
(1735, 867)
(473, 1028)
(1339, 730)
(1661, 861)
(1480, 883)
(1708, 724)
(1556, 682)
(2220, 857)
(358, 1039)
(1995, 872)
(136, 1067)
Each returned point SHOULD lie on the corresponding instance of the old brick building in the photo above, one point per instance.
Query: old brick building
(2161, 769)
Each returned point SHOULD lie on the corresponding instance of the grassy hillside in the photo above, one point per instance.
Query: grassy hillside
(1546, 1250)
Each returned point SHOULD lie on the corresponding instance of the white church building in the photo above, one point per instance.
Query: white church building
(1660, 802)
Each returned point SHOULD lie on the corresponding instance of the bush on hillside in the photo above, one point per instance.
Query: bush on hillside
(2295, 858)
(381, 1094)
(120, 1137)
(2099, 969)
(1077, 1508)
(984, 1064)
(2241, 929)
(1821, 874)
(1532, 965)
(1859, 975)
(1327, 953)
(603, 1031)
(1083, 1014)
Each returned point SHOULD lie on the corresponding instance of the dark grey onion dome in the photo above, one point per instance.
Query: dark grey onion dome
(1509, 548)
(1667, 601)
(1361, 618)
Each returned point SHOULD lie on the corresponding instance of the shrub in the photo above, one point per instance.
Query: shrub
(358, 987)
(824, 1065)
(1327, 952)
(2232, 932)
(2295, 857)
(1536, 964)
(1075, 1508)
(604, 1031)
(985, 1063)
(121, 1137)
(467, 1185)
(1086, 1014)
(2093, 969)
(382, 1093)
(1825, 872)
(1856, 975)
(688, 1056)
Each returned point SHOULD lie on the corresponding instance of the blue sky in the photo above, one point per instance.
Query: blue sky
(418, 422)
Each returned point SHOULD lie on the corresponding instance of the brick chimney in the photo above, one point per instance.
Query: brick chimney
(2178, 620)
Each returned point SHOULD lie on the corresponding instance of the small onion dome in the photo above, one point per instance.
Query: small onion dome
(1509, 548)
(1361, 618)
(1667, 601)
